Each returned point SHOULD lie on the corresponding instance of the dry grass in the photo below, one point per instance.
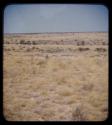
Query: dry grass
(43, 83)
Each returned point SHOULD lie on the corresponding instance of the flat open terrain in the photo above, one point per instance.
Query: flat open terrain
(55, 77)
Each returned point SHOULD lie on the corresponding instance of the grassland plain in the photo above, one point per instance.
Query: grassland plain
(55, 77)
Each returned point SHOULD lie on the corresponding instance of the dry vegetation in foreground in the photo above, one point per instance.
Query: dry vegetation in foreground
(56, 81)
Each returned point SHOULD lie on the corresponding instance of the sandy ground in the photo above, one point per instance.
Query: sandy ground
(56, 81)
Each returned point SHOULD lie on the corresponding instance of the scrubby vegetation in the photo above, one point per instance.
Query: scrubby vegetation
(100, 49)
(83, 49)
(62, 77)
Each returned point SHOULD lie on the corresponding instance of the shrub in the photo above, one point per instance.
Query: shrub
(33, 47)
(28, 42)
(100, 49)
(22, 41)
(34, 42)
(41, 62)
(13, 49)
(78, 114)
(83, 49)
(104, 43)
(80, 43)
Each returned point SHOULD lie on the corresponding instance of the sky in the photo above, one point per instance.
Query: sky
(37, 18)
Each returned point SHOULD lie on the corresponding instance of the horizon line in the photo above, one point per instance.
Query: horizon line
(58, 32)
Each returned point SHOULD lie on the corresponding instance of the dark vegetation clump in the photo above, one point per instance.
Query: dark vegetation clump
(83, 49)
(34, 42)
(22, 41)
(100, 49)
(104, 43)
(28, 42)
(25, 42)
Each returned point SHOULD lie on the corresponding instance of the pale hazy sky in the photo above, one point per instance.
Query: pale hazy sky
(34, 18)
